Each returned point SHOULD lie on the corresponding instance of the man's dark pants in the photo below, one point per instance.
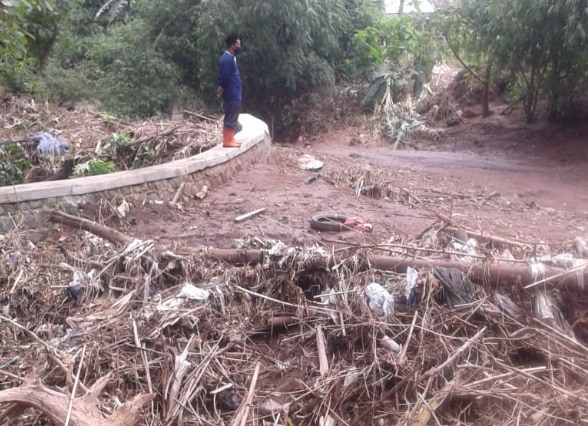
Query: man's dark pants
(231, 119)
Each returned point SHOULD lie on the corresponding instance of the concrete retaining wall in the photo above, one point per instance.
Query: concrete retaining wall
(28, 204)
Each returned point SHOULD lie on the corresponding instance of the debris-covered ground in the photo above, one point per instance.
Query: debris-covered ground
(465, 304)
(46, 142)
(282, 333)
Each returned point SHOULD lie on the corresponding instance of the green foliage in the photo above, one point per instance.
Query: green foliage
(131, 77)
(367, 51)
(403, 42)
(43, 23)
(68, 85)
(385, 88)
(136, 58)
(118, 149)
(10, 173)
(541, 43)
(288, 51)
(118, 141)
(171, 29)
(114, 9)
(13, 161)
(94, 167)
(13, 41)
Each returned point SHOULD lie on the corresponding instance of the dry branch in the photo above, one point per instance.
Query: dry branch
(84, 411)
(167, 132)
(322, 351)
(488, 237)
(249, 215)
(243, 411)
(101, 231)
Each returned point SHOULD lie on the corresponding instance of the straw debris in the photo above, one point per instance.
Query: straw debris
(287, 339)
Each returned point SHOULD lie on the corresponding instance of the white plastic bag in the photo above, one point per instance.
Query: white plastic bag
(380, 301)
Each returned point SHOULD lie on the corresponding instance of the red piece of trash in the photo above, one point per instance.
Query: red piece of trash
(357, 222)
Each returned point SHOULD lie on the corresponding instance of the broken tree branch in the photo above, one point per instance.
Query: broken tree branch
(167, 132)
(322, 351)
(479, 272)
(109, 234)
(487, 237)
(85, 411)
(249, 215)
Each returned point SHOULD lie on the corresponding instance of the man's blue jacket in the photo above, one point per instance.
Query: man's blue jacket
(229, 78)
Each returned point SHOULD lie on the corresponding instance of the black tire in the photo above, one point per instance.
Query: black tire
(329, 223)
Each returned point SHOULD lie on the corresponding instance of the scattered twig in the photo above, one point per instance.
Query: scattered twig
(251, 214)
(75, 387)
(243, 411)
(322, 351)
(178, 193)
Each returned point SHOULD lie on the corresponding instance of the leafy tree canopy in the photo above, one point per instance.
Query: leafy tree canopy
(542, 43)
(15, 35)
(288, 51)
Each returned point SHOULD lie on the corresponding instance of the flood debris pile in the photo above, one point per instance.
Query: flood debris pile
(38, 139)
(443, 328)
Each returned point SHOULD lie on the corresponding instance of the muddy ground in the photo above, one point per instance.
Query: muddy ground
(495, 175)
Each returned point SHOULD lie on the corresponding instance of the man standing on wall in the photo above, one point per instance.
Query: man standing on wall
(229, 87)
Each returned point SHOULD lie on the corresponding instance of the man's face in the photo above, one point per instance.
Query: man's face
(237, 45)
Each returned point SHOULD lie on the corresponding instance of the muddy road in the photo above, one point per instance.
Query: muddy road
(530, 196)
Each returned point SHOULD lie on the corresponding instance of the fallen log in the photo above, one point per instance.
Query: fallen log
(102, 231)
(485, 273)
(55, 405)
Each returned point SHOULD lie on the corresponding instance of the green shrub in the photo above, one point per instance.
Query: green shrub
(13, 162)
(67, 85)
(132, 78)
(94, 167)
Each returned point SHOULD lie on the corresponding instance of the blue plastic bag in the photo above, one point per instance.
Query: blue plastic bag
(49, 144)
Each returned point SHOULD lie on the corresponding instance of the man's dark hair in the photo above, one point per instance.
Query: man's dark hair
(231, 39)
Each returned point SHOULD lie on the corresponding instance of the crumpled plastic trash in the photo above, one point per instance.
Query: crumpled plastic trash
(581, 246)
(187, 292)
(546, 309)
(48, 144)
(308, 162)
(409, 284)
(190, 291)
(79, 281)
(358, 223)
(458, 289)
(390, 344)
(271, 406)
(470, 248)
(380, 301)
(561, 260)
(507, 306)
(11, 361)
(507, 255)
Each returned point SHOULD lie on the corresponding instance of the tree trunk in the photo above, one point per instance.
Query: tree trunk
(486, 273)
(486, 92)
